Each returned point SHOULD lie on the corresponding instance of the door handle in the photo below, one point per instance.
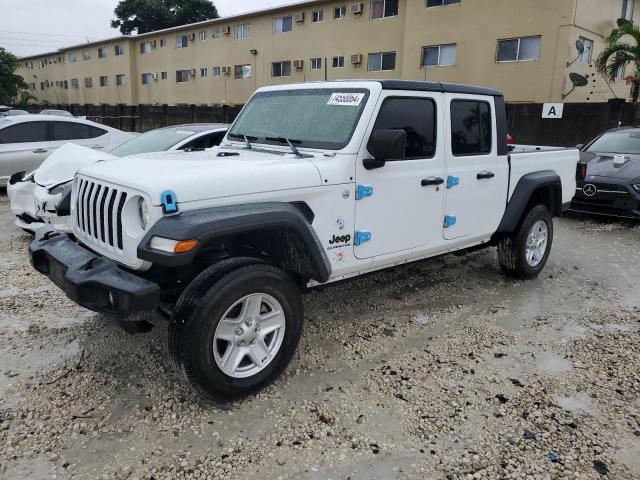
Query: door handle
(40, 150)
(97, 147)
(432, 181)
(485, 175)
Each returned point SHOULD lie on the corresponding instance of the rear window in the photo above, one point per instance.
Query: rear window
(153, 141)
(24, 132)
(75, 131)
(470, 128)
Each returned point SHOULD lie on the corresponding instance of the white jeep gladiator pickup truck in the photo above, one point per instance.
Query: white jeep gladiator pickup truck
(314, 183)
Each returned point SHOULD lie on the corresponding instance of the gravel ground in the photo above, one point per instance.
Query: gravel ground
(442, 369)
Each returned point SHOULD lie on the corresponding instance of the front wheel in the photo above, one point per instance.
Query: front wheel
(524, 253)
(242, 333)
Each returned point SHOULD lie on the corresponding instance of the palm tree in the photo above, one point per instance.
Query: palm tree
(618, 53)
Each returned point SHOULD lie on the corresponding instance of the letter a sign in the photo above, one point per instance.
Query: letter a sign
(552, 110)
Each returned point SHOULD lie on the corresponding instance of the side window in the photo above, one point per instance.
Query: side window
(206, 141)
(75, 131)
(470, 128)
(415, 116)
(24, 132)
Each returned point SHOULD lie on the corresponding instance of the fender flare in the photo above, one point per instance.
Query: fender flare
(526, 187)
(212, 224)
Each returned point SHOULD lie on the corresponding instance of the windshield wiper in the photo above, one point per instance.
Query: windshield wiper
(293, 148)
(247, 139)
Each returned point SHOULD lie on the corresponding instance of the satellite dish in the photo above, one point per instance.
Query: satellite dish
(578, 80)
(580, 46)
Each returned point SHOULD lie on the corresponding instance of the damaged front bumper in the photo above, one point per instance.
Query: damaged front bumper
(91, 281)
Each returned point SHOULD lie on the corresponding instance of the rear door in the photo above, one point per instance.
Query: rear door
(401, 203)
(79, 133)
(473, 194)
(23, 146)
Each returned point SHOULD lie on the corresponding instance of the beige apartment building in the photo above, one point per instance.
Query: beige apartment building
(522, 47)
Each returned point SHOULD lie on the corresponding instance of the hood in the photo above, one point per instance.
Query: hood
(205, 175)
(602, 165)
(62, 165)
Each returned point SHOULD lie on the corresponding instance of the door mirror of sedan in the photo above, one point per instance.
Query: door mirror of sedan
(385, 145)
(580, 146)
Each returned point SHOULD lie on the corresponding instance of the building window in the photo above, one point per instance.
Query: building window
(163, 43)
(119, 50)
(627, 9)
(316, 64)
(340, 12)
(102, 52)
(203, 36)
(204, 72)
(182, 41)
(317, 16)
(242, 71)
(182, 76)
(440, 3)
(243, 31)
(337, 62)
(147, 78)
(383, 8)
(145, 47)
(72, 58)
(215, 71)
(88, 82)
(470, 128)
(86, 55)
(65, 83)
(215, 33)
(439, 55)
(281, 69)
(518, 49)
(282, 25)
(588, 50)
(120, 79)
(104, 80)
(383, 61)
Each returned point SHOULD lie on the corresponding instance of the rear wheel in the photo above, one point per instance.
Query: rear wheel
(242, 333)
(524, 253)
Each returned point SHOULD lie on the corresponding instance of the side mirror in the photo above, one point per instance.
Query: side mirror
(385, 145)
(580, 146)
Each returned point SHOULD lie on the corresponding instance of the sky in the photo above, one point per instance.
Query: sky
(30, 27)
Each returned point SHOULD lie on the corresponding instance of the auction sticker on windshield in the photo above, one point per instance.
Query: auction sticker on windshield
(346, 99)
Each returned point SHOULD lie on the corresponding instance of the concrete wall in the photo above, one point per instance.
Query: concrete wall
(474, 25)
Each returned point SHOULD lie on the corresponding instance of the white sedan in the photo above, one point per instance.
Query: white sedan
(27, 140)
(43, 196)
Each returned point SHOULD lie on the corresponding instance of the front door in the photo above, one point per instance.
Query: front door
(474, 197)
(399, 206)
(23, 147)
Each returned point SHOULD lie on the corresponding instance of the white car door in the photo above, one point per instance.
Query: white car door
(399, 206)
(23, 147)
(475, 193)
(79, 133)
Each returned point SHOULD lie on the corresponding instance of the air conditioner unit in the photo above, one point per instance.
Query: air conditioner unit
(192, 72)
(356, 59)
(226, 70)
(299, 17)
(152, 43)
(226, 30)
(192, 36)
(357, 8)
(298, 64)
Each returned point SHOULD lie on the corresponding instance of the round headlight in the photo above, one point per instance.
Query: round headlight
(144, 213)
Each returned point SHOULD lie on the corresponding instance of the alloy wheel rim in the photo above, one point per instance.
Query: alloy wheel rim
(249, 335)
(537, 242)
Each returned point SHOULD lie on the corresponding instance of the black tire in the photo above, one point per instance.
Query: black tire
(512, 248)
(203, 305)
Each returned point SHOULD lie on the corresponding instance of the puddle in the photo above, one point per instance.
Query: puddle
(580, 403)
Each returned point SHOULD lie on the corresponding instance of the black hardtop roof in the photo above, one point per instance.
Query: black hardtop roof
(438, 87)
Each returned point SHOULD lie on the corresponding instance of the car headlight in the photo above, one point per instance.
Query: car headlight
(637, 187)
(143, 213)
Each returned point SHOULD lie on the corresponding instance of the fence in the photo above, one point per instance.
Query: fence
(581, 122)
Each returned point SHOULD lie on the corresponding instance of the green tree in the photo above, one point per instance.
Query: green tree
(623, 48)
(10, 83)
(142, 16)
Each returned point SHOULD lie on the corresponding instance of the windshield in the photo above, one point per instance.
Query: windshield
(314, 118)
(625, 142)
(153, 141)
